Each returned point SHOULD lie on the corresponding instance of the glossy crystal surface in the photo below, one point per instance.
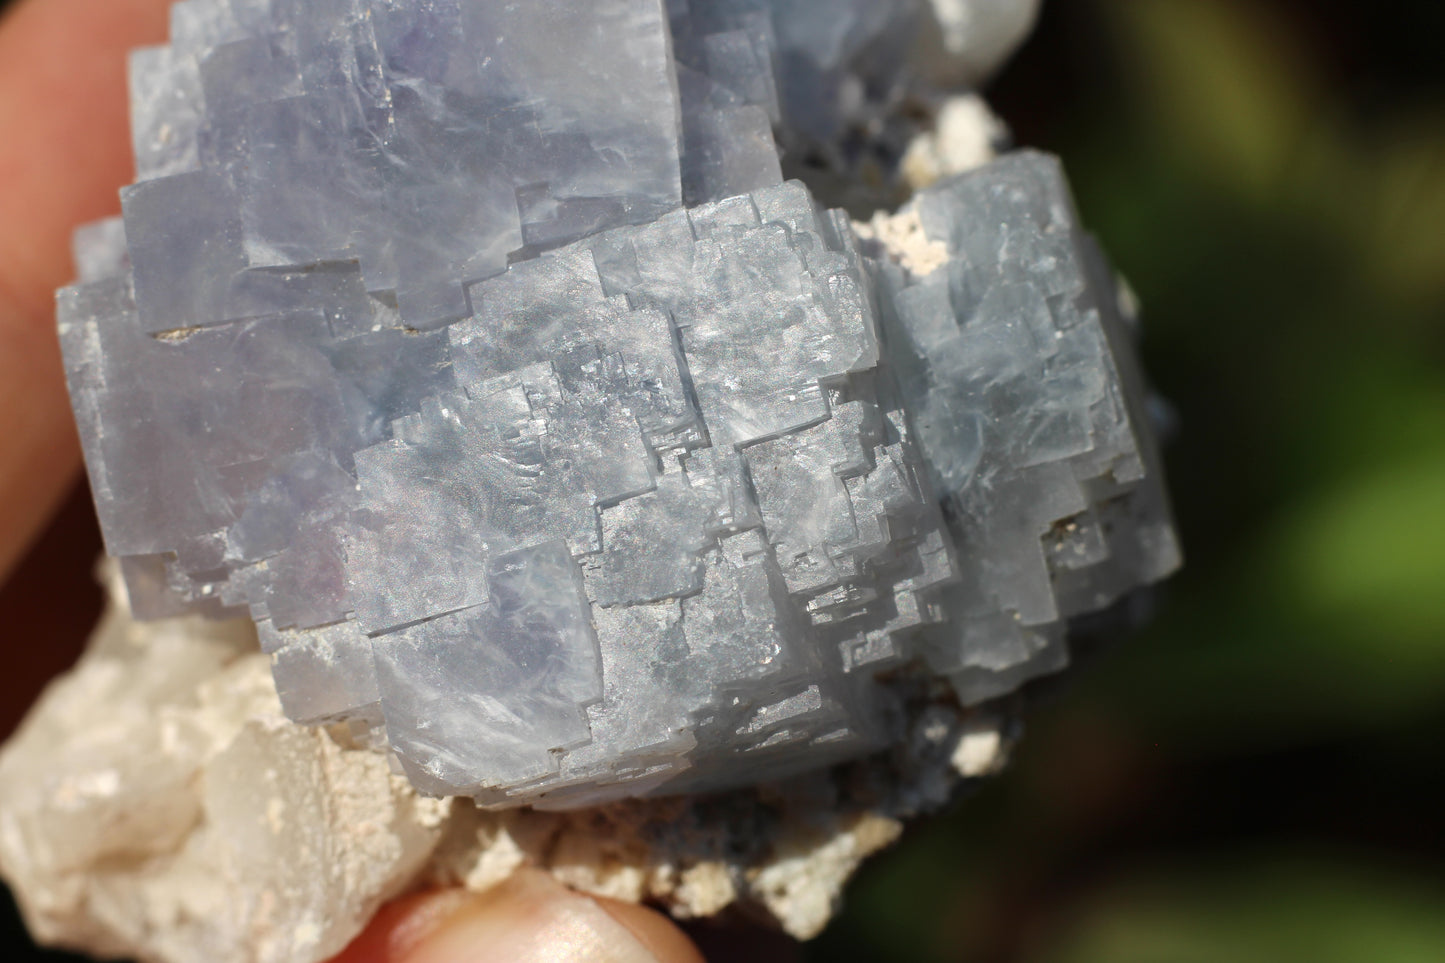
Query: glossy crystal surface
(480, 352)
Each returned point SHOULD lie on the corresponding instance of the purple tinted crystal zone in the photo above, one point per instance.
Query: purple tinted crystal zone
(408, 347)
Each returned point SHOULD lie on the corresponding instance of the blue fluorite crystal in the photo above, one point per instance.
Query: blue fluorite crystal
(480, 352)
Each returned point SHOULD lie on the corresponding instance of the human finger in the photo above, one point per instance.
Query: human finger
(64, 155)
(528, 919)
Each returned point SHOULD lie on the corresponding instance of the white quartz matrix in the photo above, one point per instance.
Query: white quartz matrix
(556, 443)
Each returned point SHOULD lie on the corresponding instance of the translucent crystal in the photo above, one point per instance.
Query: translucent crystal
(481, 353)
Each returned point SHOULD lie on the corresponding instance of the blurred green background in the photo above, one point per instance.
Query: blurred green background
(1257, 775)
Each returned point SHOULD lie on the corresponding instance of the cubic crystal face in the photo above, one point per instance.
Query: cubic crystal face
(482, 354)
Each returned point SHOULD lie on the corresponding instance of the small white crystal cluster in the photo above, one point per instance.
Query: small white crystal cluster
(481, 353)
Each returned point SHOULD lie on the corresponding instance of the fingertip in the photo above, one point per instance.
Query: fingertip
(64, 153)
(67, 147)
(404, 924)
(660, 935)
(528, 919)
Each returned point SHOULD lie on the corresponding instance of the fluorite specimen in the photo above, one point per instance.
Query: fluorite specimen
(481, 352)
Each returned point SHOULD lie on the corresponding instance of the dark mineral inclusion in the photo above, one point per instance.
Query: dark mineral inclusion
(480, 351)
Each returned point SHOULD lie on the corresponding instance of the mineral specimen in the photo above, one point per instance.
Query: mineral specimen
(158, 805)
(482, 354)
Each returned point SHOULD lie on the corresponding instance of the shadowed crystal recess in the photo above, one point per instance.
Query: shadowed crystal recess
(480, 352)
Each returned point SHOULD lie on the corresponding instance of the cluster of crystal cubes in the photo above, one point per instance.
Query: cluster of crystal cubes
(480, 353)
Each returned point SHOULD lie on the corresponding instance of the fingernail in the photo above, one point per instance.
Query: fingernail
(531, 919)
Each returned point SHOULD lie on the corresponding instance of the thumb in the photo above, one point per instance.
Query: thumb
(528, 919)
